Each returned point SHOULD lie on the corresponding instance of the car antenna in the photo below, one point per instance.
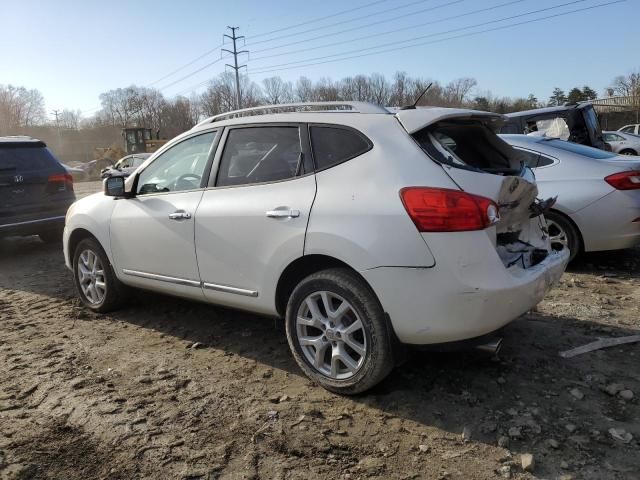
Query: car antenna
(413, 107)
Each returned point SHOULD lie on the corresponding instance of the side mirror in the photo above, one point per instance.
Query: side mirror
(114, 186)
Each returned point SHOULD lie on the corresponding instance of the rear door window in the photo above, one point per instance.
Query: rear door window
(534, 159)
(333, 145)
(260, 154)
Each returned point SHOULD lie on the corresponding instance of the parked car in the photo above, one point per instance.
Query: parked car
(94, 168)
(35, 190)
(623, 143)
(126, 165)
(576, 123)
(598, 206)
(633, 129)
(356, 225)
(78, 174)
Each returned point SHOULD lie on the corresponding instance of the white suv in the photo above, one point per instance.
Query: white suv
(365, 229)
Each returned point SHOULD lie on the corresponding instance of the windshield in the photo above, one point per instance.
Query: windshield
(580, 149)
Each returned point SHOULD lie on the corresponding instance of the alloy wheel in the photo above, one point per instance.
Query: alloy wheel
(557, 236)
(331, 335)
(91, 277)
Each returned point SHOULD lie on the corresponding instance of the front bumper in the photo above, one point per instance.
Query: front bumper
(455, 301)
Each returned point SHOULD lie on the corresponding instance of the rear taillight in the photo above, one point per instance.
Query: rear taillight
(65, 178)
(445, 210)
(624, 180)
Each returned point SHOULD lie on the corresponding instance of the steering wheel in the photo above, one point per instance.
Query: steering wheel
(187, 178)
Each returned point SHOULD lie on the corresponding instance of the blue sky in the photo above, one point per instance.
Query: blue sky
(72, 51)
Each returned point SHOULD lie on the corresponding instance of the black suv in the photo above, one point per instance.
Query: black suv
(35, 190)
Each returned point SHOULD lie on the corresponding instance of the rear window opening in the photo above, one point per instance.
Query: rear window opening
(469, 145)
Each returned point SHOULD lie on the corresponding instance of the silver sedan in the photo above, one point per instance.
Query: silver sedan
(622, 143)
(598, 206)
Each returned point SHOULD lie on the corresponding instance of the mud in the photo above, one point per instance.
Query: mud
(126, 395)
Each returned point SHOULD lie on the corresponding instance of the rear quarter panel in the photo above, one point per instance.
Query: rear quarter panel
(358, 216)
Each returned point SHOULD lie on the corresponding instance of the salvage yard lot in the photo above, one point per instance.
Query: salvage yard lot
(172, 389)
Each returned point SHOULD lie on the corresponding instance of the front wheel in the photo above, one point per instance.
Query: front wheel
(97, 285)
(562, 234)
(337, 332)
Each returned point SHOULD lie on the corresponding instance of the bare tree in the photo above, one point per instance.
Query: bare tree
(20, 107)
(304, 90)
(379, 89)
(69, 119)
(457, 91)
(277, 90)
(626, 85)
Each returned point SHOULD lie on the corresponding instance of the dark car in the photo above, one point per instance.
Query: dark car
(35, 190)
(576, 123)
(125, 166)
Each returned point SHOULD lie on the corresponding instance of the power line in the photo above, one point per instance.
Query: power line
(413, 39)
(204, 67)
(208, 52)
(366, 5)
(269, 69)
(387, 20)
(234, 38)
(337, 43)
(397, 7)
(199, 84)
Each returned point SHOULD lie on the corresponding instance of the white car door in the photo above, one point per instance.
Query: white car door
(251, 222)
(152, 233)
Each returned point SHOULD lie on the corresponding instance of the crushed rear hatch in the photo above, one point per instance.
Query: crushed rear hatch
(465, 144)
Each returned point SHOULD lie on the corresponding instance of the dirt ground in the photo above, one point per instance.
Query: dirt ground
(171, 389)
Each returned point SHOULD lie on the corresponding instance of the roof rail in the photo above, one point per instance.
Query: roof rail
(338, 106)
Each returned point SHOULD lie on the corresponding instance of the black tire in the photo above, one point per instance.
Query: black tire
(377, 361)
(628, 152)
(51, 236)
(573, 238)
(116, 292)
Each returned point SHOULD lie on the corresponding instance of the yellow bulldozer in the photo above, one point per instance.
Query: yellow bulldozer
(140, 140)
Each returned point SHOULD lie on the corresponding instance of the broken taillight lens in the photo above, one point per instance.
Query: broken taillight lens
(445, 210)
(624, 180)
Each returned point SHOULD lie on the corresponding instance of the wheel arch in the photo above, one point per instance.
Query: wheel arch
(303, 267)
(630, 151)
(77, 235)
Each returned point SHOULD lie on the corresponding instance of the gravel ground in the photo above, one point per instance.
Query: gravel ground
(170, 389)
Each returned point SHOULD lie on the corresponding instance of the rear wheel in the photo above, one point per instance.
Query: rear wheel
(337, 332)
(97, 285)
(628, 152)
(562, 234)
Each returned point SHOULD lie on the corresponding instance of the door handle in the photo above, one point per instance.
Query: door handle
(283, 213)
(179, 216)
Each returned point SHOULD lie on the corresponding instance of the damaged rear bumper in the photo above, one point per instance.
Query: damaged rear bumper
(462, 296)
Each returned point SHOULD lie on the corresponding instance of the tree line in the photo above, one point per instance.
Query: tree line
(22, 109)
